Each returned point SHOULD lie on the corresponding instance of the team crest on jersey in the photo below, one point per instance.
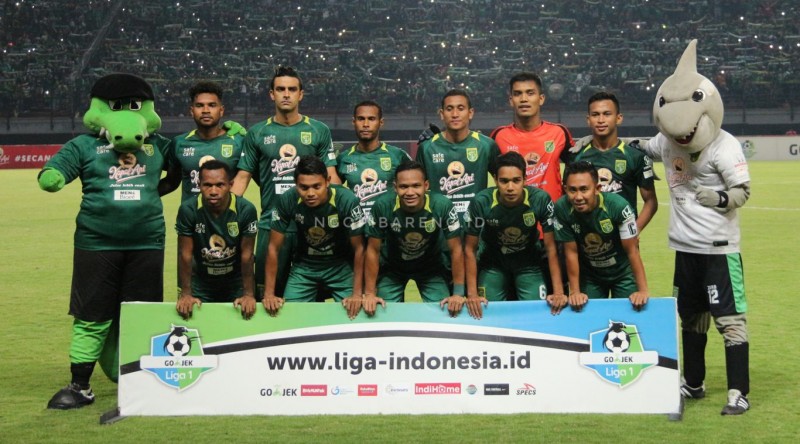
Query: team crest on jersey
(305, 138)
(233, 228)
(529, 219)
(227, 150)
(148, 149)
(549, 146)
(620, 166)
(472, 154)
(333, 220)
(386, 163)
(430, 225)
(606, 226)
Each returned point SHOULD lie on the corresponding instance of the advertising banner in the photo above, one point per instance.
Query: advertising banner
(26, 156)
(407, 359)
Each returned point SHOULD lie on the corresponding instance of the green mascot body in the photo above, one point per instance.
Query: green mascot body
(120, 230)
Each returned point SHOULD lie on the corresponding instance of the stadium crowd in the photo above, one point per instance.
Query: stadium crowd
(406, 57)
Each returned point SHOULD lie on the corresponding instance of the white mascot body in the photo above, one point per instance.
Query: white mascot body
(708, 180)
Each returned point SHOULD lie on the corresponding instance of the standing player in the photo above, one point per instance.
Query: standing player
(329, 255)
(507, 220)
(209, 141)
(119, 231)
(415, 225)
(272, 149)
(368, 166)
(218, 231)
(541, 143)
(621, 168)
(600, 239)
(457, 160)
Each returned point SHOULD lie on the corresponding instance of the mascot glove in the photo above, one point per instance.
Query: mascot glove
(51, 180)
(431, 131)
(233, 128)
(708, 197)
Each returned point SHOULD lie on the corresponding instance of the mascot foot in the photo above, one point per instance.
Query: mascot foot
(737, 403)
(71, 397)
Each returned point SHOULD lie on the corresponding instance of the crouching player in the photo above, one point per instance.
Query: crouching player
(217, 229)
(329, 253)
(600, 239)
(415, 225)
(507, 219)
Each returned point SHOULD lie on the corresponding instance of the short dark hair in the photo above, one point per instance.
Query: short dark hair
(215, 164)
(368, 103)
(525, 76)
(457, 92)
(603, 95)
(509, 159)
(579, 167)
(205, 87)
(409, 165)
(285, 71)
(310, 165)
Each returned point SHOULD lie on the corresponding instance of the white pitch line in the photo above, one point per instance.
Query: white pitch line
(746, 207)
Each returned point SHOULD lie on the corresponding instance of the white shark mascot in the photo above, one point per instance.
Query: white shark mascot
(708, 180)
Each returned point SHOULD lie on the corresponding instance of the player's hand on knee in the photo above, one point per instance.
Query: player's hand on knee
(186, 304)
(638, 299)
(370, 303)
(352, 305)
(272, 304)
(556, 302)
(577, 301)
(474, 306)
(247, 304)
(454, 304)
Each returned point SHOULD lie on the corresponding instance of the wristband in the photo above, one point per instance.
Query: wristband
(723, 199)
(458, 289)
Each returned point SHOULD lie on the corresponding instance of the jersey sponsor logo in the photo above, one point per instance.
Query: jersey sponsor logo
(316, 236)
(188, 152)
(227, 150)
(252, 227)
(270, 140)
(593, 245)
(305, 138)
(205, 159)
(457, 179)
(148, 149)
(472, 154)
(370, 185)
(128, 168)
(200, 228)
(233, 228)
(413, 246)
(351, 168)
(679, 174)
(105, 149)
(606, 226)
(386, 163)
(627, 213)
(217, 249)
(529, 219)
(549, 146)
(299, 218)
(620, 166)
(287, 162)
(512, 240)
(438, 158)
(127, 195)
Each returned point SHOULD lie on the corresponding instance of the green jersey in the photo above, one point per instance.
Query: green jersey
(598, 235)
(271, 152)
(190, 151)
(413, 241)
(458, 170)
(510, 235)
(323, 232)
(369, 175)
(217, 239)
(120, 208)
(621, 170)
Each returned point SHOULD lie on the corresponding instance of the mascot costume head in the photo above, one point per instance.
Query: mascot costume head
(688, 108)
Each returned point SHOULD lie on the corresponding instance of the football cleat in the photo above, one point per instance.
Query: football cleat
(737, 403)
(692, 392)
(71, 397)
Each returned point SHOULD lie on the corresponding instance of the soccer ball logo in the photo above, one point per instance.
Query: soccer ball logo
(178, 343)
(617, 339)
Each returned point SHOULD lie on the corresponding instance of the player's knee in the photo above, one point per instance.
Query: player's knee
(733, 328)
(696, 323)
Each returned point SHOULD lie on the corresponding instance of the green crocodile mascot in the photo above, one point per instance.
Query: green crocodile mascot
(119, 236)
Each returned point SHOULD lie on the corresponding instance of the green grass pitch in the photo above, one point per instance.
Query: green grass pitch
(35, 269)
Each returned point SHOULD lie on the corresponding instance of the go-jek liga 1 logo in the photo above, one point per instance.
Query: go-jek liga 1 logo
(617, 354)
(177, 359)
